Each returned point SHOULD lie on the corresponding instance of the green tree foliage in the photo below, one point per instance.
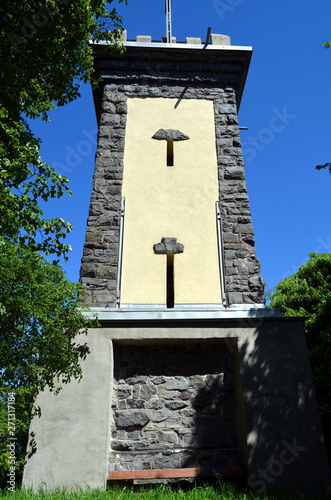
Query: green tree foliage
(39, 319)
(45, 54)
(307, 293)
(24, 180)
(39, 323)
(326, 165)
(45, 50)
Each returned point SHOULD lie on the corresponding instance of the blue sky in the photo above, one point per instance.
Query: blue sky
(286, 105)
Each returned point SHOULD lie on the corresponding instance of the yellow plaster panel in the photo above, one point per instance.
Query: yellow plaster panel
(176, 202)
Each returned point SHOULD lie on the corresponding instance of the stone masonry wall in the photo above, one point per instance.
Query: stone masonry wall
(242, 269)
(174, 406)
(100, 258)
(98, 273)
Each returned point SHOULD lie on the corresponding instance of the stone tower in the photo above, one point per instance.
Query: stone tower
(169, 165)
(189, 373)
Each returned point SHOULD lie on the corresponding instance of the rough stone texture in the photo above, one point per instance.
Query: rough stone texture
(194, 74)
(180, 413)
(131, 420)
(168, 245)
(175, 135)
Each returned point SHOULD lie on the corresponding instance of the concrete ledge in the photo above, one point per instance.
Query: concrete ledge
(180, 45)
(156, 312)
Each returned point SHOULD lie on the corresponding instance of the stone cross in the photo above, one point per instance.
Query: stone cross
(168, 247)
(170, 135)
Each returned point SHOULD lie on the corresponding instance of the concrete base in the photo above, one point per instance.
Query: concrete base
(278, 419)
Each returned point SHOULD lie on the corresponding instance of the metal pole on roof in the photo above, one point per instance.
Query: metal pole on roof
(168, 20)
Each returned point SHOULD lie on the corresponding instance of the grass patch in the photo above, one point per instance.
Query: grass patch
(161, 492)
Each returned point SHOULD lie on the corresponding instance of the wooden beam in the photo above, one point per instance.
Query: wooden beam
(116, 475)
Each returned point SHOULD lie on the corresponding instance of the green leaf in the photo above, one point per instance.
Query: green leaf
(54, 37)
(307, 294)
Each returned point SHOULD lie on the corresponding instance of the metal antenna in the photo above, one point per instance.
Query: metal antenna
(168, 20)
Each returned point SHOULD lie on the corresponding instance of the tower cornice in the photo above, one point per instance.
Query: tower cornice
(182, 64)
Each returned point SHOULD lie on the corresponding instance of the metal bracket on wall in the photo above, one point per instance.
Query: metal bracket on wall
(221, 253)
(120, 255)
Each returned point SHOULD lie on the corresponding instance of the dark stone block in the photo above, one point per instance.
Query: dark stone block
(158, 380)
(227, 161)
(231, 131)
(156, 404)
(232, 119)
(135, 403)
(177, 383)
(243, 229)
(253, 298)
(167, 462)
(227, 109)
(249, 239)
(141, 445)
(234, 173)
(232, 151)
(167, 437)
(161, 416)
(136, 391)
(123, 392)
(175, 405)
(164, 394)
(131, 420)
(235, 298)
(134, 435)
(256, 284)
(122, 108)
(185, 395)
(121, 445)
(230, 238)
(231, 271)
(146, 392)
(138, 379)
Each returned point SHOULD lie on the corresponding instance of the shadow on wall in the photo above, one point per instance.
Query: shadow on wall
(174, 406)
(244, 400)
(285, 448)
(215, 430)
